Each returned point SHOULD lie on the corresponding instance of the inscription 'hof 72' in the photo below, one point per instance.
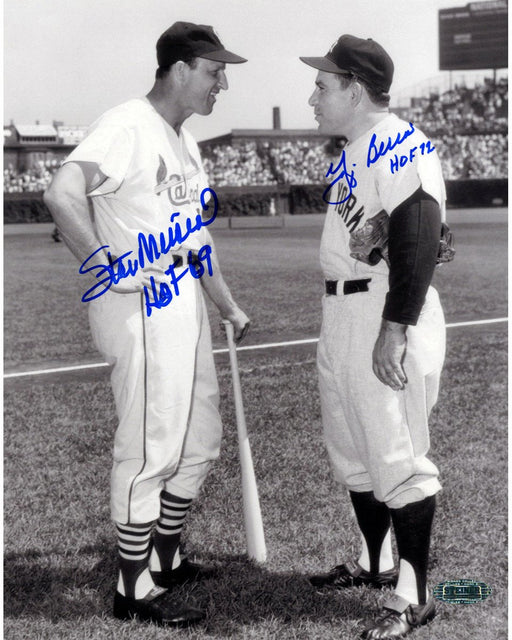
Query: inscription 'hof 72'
(375, 152)
(345, 177)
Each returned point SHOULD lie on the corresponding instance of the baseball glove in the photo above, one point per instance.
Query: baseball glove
(446, 245)
(369, 244)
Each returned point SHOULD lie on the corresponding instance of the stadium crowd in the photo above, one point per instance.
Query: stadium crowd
(473, 157)
(237, 165)
(481, 109)
(292, 161)
(35, 179)
(467, 126)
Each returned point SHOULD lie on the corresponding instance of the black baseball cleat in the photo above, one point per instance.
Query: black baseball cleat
(398, 618)
(158, 607)
(186, 572)
(351, 574)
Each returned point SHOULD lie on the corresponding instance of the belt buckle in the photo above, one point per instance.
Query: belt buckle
(331, 287)
(178, 260)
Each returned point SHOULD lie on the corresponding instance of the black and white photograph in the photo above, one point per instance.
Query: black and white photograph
(255, 319)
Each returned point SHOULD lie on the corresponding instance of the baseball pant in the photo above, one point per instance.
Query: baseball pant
(377, 438)
(166, 395)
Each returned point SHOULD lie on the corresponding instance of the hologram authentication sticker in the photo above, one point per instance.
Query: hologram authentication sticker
(462, 591)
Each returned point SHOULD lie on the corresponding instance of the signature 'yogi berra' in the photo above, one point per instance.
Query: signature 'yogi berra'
(137, 167)
(382, 341)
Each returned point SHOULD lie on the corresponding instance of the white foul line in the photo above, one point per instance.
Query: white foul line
(78, 367)
(253, 347)
(469, 324)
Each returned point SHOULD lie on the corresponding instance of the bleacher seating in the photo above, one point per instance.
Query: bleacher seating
(467, 126)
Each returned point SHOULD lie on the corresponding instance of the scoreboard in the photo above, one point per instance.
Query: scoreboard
(474, 36)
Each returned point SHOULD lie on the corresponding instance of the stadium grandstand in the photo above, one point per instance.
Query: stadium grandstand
(468, 126)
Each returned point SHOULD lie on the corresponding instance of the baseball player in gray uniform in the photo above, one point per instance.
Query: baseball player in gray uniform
(382, 340)
(130, 202)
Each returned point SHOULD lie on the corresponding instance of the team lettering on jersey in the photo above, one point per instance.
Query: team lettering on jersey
(346, 207)
(177, 185)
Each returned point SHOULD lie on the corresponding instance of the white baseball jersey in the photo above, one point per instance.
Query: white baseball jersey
(382, 185)
(152, 173)
(163, 375)
(377, 438)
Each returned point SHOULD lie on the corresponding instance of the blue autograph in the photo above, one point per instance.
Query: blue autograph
(375, 152)
(149, 250)
(345, 189)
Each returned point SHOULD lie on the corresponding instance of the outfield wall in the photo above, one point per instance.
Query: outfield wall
(274, 200)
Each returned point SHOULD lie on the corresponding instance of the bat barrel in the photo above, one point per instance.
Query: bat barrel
(256, 548)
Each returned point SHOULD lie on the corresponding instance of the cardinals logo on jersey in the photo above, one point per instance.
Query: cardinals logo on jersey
(175, 184)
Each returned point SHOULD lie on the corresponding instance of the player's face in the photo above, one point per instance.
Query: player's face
(203, 83)
(332, 104)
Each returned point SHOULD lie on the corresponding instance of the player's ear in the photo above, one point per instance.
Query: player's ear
(180, 71)
(357, 90)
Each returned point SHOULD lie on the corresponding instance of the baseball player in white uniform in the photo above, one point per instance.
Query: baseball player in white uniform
(382, 340)
(130, 202)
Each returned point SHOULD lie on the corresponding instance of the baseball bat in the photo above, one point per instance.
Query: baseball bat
(255, 536)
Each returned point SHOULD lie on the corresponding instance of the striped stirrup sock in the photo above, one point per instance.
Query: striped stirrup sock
(166, 539)
(133, 545)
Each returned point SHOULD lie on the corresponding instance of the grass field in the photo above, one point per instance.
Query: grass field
(60, 554)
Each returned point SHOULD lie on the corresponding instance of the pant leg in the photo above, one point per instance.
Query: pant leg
(426, 347)
(347, 465)
(152, 378)
(204, 432)
(369, 426)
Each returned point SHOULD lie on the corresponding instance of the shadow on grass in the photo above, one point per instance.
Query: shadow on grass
(242, 593)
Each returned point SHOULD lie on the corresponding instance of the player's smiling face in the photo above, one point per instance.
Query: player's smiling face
(204, 82)
(332, 104)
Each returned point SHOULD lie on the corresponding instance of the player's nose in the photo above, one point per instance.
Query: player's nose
(223, 81)
(313, 98)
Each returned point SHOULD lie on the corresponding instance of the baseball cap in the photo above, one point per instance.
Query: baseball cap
(185, 39)
(366, 59)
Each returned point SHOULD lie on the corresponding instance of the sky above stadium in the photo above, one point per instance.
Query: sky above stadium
(70, 60)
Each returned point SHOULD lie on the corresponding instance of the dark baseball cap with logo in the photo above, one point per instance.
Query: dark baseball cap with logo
(188, 40)
(365, 59)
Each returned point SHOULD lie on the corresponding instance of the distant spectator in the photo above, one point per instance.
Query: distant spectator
(482, 109)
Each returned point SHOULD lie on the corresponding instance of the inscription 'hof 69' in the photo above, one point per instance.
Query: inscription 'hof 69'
(150, 249)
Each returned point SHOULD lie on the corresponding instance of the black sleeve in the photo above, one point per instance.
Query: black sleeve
(414, 233)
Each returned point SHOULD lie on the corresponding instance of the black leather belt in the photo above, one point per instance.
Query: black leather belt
(177, 259)
(349, 286)
(191, 259)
